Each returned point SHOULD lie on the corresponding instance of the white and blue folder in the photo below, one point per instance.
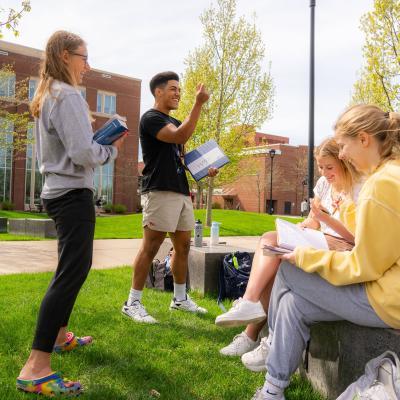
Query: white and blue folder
(207, 155)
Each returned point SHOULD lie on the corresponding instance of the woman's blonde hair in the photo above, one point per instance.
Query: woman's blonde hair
(384, 126)
(53, 67)
(329, 148)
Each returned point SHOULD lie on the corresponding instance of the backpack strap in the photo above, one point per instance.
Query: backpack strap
(221, 287)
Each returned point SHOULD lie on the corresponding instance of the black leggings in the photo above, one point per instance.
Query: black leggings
(74, 216)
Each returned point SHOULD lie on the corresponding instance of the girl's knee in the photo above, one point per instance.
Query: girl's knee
(269, 238)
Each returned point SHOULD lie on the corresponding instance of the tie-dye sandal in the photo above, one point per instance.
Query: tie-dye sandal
(50, 386)
(72, 342)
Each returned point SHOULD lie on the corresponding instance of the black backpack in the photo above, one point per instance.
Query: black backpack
(160, 276)
(234, 274)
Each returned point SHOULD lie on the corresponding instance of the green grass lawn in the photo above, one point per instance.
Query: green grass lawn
(178, 357)
(233, 223)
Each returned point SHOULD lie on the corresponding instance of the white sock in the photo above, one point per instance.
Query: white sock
(272, 392)
(180, 291)
(134, 295)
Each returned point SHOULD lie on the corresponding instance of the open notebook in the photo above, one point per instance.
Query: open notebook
(291, 235)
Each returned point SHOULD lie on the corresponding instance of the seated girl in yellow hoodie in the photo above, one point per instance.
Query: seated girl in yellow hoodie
(361, 285)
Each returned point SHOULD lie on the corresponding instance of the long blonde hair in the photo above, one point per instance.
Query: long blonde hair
(329, 148)
(384, 126)
(53, 67)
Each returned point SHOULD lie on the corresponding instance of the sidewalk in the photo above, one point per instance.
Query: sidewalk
(41, 256)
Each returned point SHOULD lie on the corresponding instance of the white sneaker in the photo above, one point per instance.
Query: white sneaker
(259, 395)
(255, 360)
(240, 344)
(243, 312)
(187, 305)
(138, 313)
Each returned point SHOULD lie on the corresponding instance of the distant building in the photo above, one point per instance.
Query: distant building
(251, 190)
(106, 93)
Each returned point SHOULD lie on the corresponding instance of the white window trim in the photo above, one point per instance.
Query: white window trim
(105, 93)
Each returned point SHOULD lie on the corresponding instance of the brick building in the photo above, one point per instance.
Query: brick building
(251, 190)
(106, 93)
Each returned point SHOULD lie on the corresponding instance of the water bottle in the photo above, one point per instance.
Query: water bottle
(198, 234)
(214, 233)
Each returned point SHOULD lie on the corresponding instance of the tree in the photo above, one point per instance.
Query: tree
(379, 77)
(13, 122)
(9, 19)
(229, 63)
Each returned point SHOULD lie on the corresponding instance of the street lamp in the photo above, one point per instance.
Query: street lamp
(271, 153)
(311, 104)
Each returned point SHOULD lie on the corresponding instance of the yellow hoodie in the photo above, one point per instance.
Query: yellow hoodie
(375, 258)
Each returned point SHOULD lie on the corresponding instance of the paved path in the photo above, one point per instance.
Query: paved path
(40, 256)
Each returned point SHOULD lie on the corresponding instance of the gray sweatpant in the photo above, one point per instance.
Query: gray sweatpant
(300, 299)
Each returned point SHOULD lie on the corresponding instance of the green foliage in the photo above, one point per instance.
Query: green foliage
(119, 208)
(9, 19)
(13, 125)
(108, 207)
(229, 64)
(379, 78)
(7, 206)
(179, 357)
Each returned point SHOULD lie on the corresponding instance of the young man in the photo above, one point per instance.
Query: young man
(304, 207)
(167, 204)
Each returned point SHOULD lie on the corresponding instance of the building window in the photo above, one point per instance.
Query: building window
(6, 151)
(32, 88)
(33, 182)
(7, 85)
(106, 103)
(103, 182)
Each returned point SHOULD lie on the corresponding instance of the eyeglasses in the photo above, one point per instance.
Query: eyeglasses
(84, 58)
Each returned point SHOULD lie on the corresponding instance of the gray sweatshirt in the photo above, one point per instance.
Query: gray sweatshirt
(66, 151)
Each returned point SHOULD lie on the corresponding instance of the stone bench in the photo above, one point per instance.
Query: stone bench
(3, 224)
(339, 351)
(32, 227)
(204, 264)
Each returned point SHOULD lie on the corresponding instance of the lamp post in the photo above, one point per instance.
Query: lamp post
(311, 104)
(271, 153)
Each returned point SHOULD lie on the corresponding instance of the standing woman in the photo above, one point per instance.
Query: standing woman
(361, 285)
(67, 156)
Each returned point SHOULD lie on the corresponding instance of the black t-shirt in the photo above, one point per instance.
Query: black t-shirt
(163, 168)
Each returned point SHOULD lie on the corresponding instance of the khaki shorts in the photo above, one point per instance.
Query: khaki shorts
(168, 211)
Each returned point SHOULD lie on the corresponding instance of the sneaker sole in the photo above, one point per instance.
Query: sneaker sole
(239, 322)
(257, 368)
(183, 309)
(123, 312)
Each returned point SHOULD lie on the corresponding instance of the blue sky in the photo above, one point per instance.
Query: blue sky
(139, 39)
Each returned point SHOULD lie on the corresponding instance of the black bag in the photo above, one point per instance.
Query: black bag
(234, 275)
(160, 276)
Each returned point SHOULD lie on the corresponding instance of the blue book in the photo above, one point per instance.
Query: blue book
(207, 155)
(112, 130)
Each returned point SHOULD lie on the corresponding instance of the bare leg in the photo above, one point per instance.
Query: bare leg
(151, 243)
(37, 366)
(263, 271)
(179, 261)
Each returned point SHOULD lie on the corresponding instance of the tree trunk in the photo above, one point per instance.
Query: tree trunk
(198, 194)
(209, 201)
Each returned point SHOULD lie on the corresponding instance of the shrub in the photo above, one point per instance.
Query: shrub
(7, 205)
(119, 208)
(216, 206)
(108, 207)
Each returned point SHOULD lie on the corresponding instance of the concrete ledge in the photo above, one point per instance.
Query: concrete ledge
(339, 352)
(33, 227)
(3, 225)
(204, 264)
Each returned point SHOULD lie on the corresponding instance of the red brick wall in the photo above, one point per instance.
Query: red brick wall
(250, 190)
(128, 105)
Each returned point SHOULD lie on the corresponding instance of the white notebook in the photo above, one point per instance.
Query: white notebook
(291, 235)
